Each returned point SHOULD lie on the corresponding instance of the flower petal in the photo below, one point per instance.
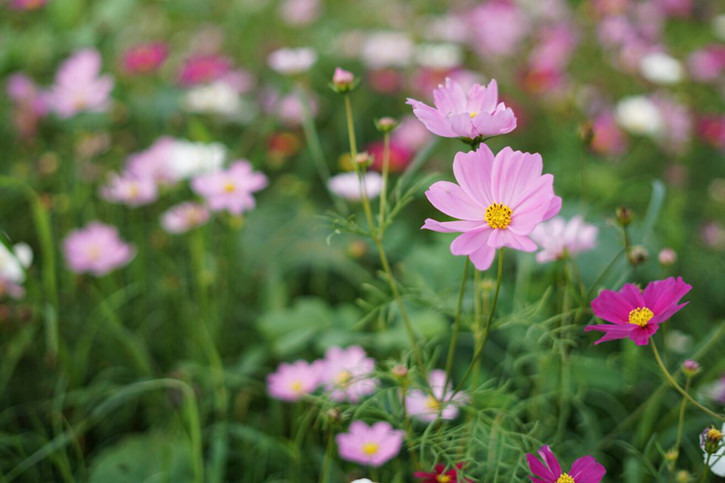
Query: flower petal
(473, 173)
(471, 241)
(453, 201)
(613, 307)
(661, 295)
(587, 470)
(453, 226)
(450, 98)
(433, 119)
(483, 257)
(611, 332)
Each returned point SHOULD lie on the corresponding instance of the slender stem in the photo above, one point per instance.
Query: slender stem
(386, 170)
(328, 457)
(672, 381)
(706, 471)
(456, 324)
(680, 422)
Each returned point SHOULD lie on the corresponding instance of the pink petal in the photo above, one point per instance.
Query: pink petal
(450, 97)
(473, 172)
(500, 122)
(612, 307)
(483, 99)
(483, 257)
(462, 125)
(611, 332)
(514, 173)
(469, 242)
(506, 238)
(452, 226)
(453, 201)
(587, 470)
(661, 295)
(433, 120)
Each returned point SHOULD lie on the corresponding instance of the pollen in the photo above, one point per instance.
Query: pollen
(498, 216)
(343, 378)
(370, 448)
(433, 404)
(565, 478)
(229, 187)
(473, 114)
(714, 435)
(640, 316)
(296, 386)
(443, 478)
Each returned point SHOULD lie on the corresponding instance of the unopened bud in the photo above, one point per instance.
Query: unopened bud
(671, 455)
(683, 476)
(343, 81)
(667, 257)
(637, 255)
(624, 216)
(386, 124)
(690, 367)
(334, 415)
(710, 440)
(399, 371)
(586, 132)
(363, 160)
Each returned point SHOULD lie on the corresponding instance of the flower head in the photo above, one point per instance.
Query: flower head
(293, 381)
(79, 87)
(547, 469)
(636, 314)
(96, 249)
(560, 239)
(439, 474)
(343, 81)
(347, 185)
(713, 449)
(346, 373)
(130, 190)
(442, 401)
(183, 217)
(200, 69)
(473, 116)
(144, 58)
(230, 189)
(292, 61)
(13, 264)
(498, 200)
(369, 445)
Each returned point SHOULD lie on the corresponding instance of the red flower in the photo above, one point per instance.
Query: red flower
(439, 475)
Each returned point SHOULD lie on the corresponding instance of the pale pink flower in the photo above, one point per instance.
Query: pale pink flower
(428, 407)
(473, 116)
(369, 445)
(129, 190)
(96, 249)
(498, 200)
(292, 61)
(411, 133)
(561, 239)
(300, 12)
(200, 69)
(184, 217)
(291, 382)
(707, 64)
(230, 189)
(347, 185)
(608, 138)
(153, 162)
(79, 86)
(144, 58)
(498, 28)
(346, 373)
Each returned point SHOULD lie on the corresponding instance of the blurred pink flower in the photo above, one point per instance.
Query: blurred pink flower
(428, 407)
(499, 201)
(635, 314)
(347, 185)
(498, 28)
(96, 249)
(711, 129)
(346, 373)
(546, 469)
(153, 162)
(200, 69)
(707, 64)
(561, 239)
(678, 122)
(553, 48)
(79, 87)
(230, 189)
(292, 61)
(293, 381)
(400, 156)
(129, 190)
(411, 134)
(472, 116)
(27, 4)
(144, 58)
(607, 138)
(184, 217)
(300, 12)
(369, 445)
(676, 8)
(29, 104)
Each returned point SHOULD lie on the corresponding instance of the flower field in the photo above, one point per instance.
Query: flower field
(377, 241)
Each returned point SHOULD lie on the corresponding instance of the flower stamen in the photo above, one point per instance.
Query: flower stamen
(640, 316)
(498, 216)
(565, 478)
(370, 448)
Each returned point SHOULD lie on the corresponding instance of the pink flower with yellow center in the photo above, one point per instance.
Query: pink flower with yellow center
(293, 381)
(369, 445)
(230, 189)
(346, 373)
(79, 86)
(441, 402)
(96, 249)
(498, 202)
(635, 314)
(548, 470)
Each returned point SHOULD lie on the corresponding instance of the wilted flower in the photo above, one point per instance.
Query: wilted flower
(346, 373)
(96, 249)
(369, 445)
(476, 115)
(441, 403)
(144, 58)
(546, 469)
(130, 190)
(183, 217)
(347, 185)
(292, 61)
(293, 381)
(440, 474)
(499, 201)
(635, 314)
(560, 239)
(230, 189)
(79, 87)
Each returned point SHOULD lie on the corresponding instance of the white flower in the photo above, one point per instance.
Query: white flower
(718, 26)
(661, 68)
(717, 460)
(439, 56)
(292, 61)
(347, 185)
(387, 49)
(215, 98)
(189, 159)
(13, 264)
(559, 238)
(639, 115)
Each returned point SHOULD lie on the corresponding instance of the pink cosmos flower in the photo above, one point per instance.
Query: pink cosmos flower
(230, 189)
(200, 69)
(498, 28)
(399, 158)
(498, 200)
(548, 470)
(129, 190)
(183, 217)
(96, 249)
(153, 162)
(608, 138)
(144, 58)
(345, 373)
(473, 116)
(560, 239)
(27, 4)
(369, 445)
(293, 381)
(636, 314)
(79, 87)
(427, 407)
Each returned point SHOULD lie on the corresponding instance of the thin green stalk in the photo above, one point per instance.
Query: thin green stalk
(328, 457)
(672, 381)
(456, 325)
(706, 471)
(564, 374)
(386, 169)
(680, 421)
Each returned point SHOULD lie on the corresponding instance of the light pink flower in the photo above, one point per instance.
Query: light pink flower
(299, 12)
(96, 249)
(498, 200)
(129, 190)
(498, 28)
(79, 86)
(144, 58)
(369, 445)
(411, 133)
(153, 162)
(200, 69)
(428, 407)
(472, 116)
(293, 381)
(346, 373)
(230, 189)
(292, 61)
(561, 239)
(608, 138)
(183, 217)
(347, 185)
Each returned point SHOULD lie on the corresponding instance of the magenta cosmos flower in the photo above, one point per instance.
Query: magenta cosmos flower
(79, 86)
(442, 402)
(584, 470)
(144, 58)
(457, 115)
(636, 314)
(96, 249)
(498, 200)
(230, 189)
(369, 445)
(346, 373)
(293, 381)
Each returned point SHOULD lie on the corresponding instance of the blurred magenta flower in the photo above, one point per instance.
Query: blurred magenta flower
(79, 87)
(560, 239)
(369, 445)
(184, 217)
(293, 381)
(636, 314)
(440, 474)
(27, 4)
(346, 373)
(144, 58)
(473, 116)
(96, 249)
(607, 137)
(442, 402)
(399, 159)
(707, 64)
(347, 185)
(546, 469)
(130, 190)
(711, 129)
(498, 200)
(292, 61)
(200, 69)
(230, 189)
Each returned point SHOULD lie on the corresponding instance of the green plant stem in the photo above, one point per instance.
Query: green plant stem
(680, 421)
(706, 471)
(684, 393)
(384, 189)
(408, 429)
(456, 325)
(328, 457)
(564, 375)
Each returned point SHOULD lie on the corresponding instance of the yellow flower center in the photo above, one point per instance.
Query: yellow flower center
(714, 435)
(296, 386)
(565, 478)
(498, 216)
(443, 478)
(343, 378)
(474, 114)
(433, 404)
(640, 316)
(370, 448)
(229, 187)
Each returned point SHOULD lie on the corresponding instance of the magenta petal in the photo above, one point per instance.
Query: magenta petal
(661, 295)
(611, 332)
(612, 307)
(633, 295)
(539, 469)
(587, 470)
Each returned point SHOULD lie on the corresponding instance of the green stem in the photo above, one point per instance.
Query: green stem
(456, 324)
(384, 190)
(328, 457)
(706, 471)
(680, 422)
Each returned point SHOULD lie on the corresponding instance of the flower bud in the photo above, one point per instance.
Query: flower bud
(399, 371)
(637, 255)
(386, 124)
(624, 216)
(710, 440)
(671, 455)
(667, 257)
(343, 81)
(334, 415)
(683, 476)
(363, 160)
(690, 367)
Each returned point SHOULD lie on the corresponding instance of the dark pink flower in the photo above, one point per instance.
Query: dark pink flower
(399, 156)
(547, 469)
(144, 58)
(200, 69)
(439, 474)
(636, 314)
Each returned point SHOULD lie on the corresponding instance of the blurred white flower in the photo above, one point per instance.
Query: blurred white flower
(661, 68)
(439, 56)
(292, 61)
(188, 159)
(560, 239)
(717, 460)
(387, 49)
(347, 185)
(13, 263)
(718, 26)
(639, 115)
(215, 98)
